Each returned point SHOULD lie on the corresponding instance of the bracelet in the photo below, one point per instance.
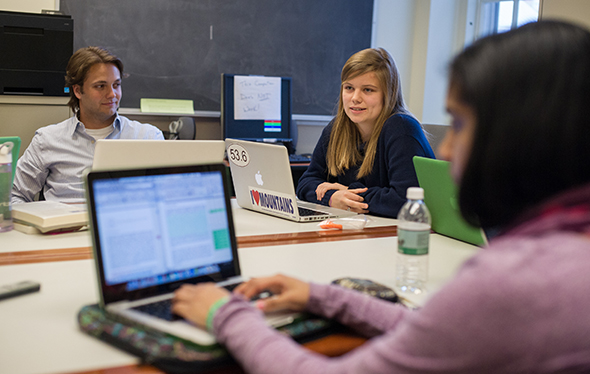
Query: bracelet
(213, 310)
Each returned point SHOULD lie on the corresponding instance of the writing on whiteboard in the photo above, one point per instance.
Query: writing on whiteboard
(257, 98)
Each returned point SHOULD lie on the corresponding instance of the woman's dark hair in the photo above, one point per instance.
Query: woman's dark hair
(79, 65)
(530, 90)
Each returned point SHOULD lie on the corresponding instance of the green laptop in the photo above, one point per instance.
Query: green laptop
(440, 196)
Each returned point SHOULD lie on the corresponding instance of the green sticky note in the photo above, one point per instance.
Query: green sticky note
(167, 106)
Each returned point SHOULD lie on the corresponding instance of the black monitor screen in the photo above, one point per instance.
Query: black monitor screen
(257, 117)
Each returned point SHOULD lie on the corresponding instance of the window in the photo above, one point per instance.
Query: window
(496, 16)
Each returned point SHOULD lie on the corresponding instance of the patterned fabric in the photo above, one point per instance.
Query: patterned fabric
(172, 354)
(151, 344)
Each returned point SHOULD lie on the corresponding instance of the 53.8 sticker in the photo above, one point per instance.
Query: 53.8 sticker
(238, 155)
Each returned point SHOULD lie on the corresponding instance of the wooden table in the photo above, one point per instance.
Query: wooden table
(39, 332)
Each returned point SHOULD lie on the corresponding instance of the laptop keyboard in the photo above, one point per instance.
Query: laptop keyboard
(304, 212)
(163, 309)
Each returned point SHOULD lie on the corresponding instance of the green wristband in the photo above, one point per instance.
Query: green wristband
(213, 310)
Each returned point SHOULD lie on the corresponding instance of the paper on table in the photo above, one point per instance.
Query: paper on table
(257, 98)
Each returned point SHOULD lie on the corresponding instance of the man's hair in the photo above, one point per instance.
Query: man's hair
(80, 62)
(530, 91)
(343, 150)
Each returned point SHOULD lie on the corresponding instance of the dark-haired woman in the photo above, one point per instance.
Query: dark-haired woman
(519, 151)
(363, 159)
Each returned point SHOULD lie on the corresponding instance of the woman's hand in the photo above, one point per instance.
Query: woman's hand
(321, 190)
(194, 301)
(350, 200)
(289, 293)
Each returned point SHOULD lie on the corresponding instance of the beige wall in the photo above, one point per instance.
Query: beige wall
(206, 128)
(31, 6)
(22, 115)
(577, 11)
(393, 30)
(422, 36)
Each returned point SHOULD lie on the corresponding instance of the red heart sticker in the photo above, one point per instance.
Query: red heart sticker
(256, 196)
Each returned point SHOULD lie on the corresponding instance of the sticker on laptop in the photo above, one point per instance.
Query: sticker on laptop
(272, 202)
(238, 155)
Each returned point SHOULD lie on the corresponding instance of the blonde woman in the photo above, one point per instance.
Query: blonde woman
(363, 159)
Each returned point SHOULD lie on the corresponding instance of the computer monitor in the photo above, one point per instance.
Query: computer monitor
(259, 127)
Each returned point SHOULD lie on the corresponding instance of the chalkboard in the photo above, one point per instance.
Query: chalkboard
(178, 49)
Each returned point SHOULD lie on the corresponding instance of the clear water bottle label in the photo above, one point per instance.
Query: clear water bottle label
(410, 242)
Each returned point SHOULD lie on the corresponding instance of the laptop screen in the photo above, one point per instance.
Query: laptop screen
(156, 227)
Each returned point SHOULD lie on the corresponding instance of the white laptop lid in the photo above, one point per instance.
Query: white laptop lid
(262, 180)
(115, 154)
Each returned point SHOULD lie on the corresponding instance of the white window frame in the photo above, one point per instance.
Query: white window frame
(479, 21)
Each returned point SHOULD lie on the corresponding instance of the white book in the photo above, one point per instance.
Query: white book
(49, 216)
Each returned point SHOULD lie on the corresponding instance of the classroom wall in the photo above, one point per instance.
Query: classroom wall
(21, 116)
(421, 35)
(31, 6)
(444, 30)
(577, 11)
(393, 30)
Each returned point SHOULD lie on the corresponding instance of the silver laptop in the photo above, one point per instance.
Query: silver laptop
(155, 229)
(112, 154)
(262, 181)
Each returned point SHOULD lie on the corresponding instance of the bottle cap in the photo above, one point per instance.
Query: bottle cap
(6, 153)
(415, 193)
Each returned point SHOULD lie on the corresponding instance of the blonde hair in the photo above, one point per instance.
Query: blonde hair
(345, 137)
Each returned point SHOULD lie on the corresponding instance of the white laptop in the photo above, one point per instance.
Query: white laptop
(113, 154)
(262, 181)
(155, 229)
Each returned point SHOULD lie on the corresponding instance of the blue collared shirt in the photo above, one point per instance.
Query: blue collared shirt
(58, 155)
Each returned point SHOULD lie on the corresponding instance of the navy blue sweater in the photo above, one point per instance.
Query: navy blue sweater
(393, 171)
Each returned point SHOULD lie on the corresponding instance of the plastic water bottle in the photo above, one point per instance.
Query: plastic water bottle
(5, 186)
(413, 234)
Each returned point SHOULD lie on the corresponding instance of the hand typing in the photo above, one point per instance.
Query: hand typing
(289, 293)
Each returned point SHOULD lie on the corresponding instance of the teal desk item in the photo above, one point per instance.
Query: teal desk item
(15, 150)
